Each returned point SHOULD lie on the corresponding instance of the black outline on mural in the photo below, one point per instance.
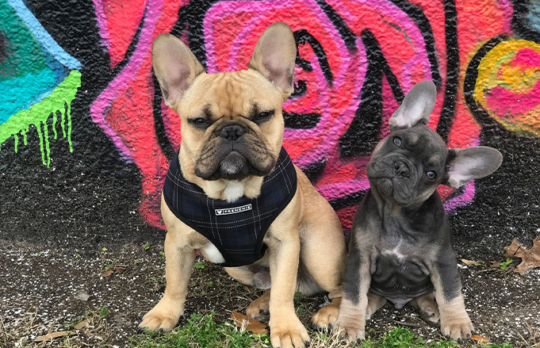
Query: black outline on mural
(521, 10)
(346, 33)
(301, 37)
(191, 19)
(418, 16)
(471, 75)
(159, 125)
(446, 118)
(315, 169)
(367, 122)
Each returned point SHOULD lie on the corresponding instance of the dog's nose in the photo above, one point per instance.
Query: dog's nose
(232, 132)
(402, 169)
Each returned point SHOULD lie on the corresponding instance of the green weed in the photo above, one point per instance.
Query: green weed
(104, 311)
(200, 265)
(200, 332)
(505, 264)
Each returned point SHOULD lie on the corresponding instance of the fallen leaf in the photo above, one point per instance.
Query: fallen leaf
(119, 269)
(52, 335)
(469, 262)
(530, 258)
(253, 325)
(107, 273)
(479, 338)
(81, 325)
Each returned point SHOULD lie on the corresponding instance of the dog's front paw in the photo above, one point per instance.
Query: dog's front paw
(351, 328)
(288, 332)
(326, 316)
(163, 316)
(459, 327)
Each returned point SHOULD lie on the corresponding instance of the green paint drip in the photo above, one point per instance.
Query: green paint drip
(38, 114)
(16, 138)
(41, 143)
(46, 139)
(62, 123)
(68, 112)
(54, 124)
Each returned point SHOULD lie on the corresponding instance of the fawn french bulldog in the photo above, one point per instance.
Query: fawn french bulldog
(234, 194)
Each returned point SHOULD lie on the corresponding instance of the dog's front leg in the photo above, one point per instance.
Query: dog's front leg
(455, 321)
(286, 330)
(180, 258)
(352, 312)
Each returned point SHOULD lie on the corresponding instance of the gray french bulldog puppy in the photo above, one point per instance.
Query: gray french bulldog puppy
(401, 243)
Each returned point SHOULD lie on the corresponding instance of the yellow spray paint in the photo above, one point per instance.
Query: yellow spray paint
(495, 70)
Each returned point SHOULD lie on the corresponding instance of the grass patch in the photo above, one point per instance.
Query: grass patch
(201, 331)
(403, 338)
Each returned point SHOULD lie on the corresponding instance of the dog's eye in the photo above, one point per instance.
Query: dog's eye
(431, 174)
(199, 121)
(263, 116)
(397, 141)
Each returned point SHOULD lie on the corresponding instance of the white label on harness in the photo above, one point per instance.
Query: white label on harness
(236, 210)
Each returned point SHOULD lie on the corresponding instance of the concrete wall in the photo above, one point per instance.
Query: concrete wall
(85, 139)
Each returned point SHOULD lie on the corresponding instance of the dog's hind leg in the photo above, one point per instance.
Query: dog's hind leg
(242, 274)
(259, 276)
(323, 253)
(374, 303)
(260, 306)
(426, 305)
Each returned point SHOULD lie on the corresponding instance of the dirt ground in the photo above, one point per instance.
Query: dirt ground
(43, 290)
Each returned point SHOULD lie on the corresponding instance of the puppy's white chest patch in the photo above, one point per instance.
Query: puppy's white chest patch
(233, 191)
(212, 253)
(394, 252)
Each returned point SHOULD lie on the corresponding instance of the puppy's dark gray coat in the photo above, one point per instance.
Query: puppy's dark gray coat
(401, 243)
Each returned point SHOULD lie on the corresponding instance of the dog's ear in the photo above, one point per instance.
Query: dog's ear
(416, 106)
(275, 55)
(175, 67)
(464, 165)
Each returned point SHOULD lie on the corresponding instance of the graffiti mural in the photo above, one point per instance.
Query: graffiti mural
(37, 78)
(356, 61)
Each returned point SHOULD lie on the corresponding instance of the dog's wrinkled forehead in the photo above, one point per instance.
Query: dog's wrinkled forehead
(424, 145)
(420, 140)
(231, 94)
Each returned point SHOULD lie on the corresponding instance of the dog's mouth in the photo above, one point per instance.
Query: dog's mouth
(234, 166)
(234, 161)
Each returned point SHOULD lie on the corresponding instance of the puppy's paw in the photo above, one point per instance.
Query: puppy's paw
(259, 307)
(353, 329)
(326, 316)
(428, 308)
(288, 332)
(430, 315)
(163, 316)
(458, 328)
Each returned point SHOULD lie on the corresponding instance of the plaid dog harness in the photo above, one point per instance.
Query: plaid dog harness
(237, 229)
